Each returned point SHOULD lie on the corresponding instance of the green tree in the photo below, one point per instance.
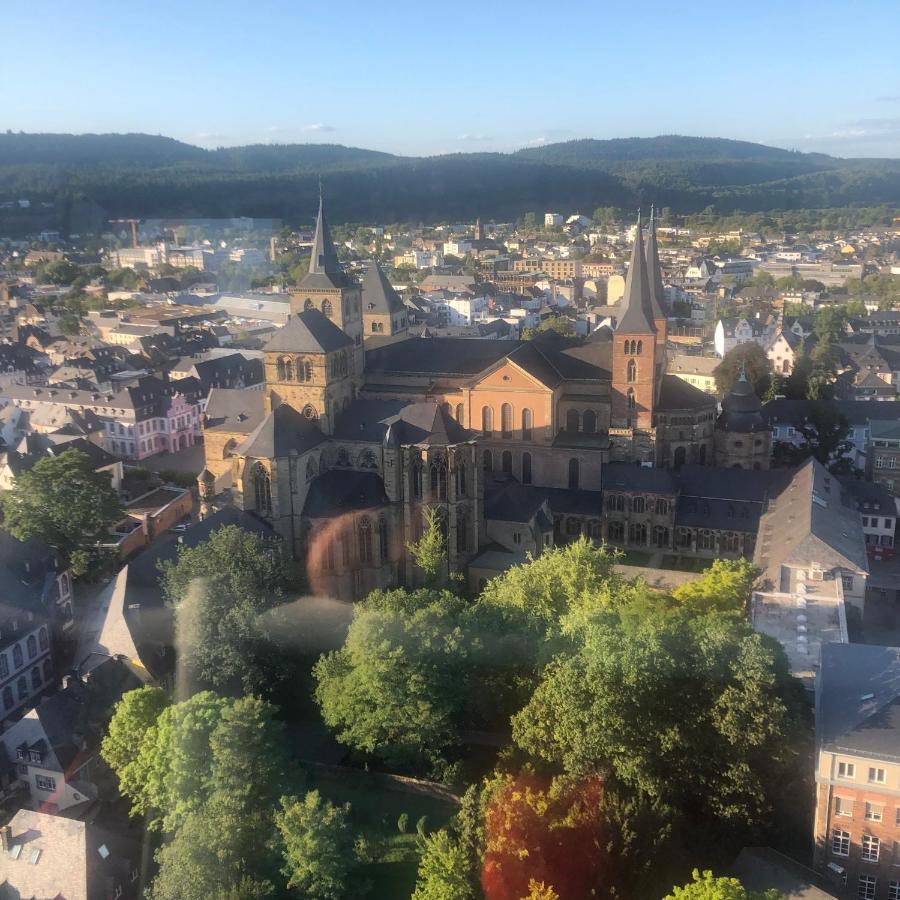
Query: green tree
(317, 846)
(831, 323)
(430, 552)
(69, 324)
(724, 587)
(617, 705)
(135, 714)
(708, 887)
(66, 503)
(748, 357)
(826, 437)
(444, 870)
(559, 324)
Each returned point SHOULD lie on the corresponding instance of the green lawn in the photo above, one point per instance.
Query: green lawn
(375, 810)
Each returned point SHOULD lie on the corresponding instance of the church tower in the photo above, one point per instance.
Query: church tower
(327, 288)
(634, 356)
(743, 438)
(657, 291)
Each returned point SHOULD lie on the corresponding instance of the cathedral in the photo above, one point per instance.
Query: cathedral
(513, 443)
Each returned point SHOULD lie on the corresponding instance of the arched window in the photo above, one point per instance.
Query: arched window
(311, 469)
(343, 457)
(662, 507)
(573, 474)
(328, 556)
(344, 366)
(629, 398)
(32, 646)
(308, 304)
(35, 679)
(680, 456)
(367, 460)
(487, 421)
(506, 420)
(706, 540)
(487, 459)
(573, 420)
(526, 468)
(439, 479)
(307, 370)
(327, 309)
(345, 546)
(43, 638)
(461, 480)
(462, 534)
(616, 531)
(637, 533)
(309, 412)
(281, 367)
(460, 413)
(637, 505)
(364, 537)
(262, 487)
(615, 503)
(632, 370)
(417, 480)
(640, 348)
(506, 462)
(730, 542)
(589, 422)
(661, 536)
(8, 701)
(527, 420)
(17, 656)
(383, 538)
(626, 347)
(22, 687)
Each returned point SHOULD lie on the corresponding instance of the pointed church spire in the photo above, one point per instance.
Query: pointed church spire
(637, 317)
(323, 263)
(654, 273)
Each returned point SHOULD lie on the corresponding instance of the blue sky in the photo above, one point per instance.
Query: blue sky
(424, 78)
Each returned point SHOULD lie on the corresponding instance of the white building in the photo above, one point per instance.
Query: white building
(552, 219)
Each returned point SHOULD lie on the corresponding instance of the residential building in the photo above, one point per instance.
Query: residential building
(731, 331)
(698, 371)
(883, 456)
(857, 770)
(552, 219)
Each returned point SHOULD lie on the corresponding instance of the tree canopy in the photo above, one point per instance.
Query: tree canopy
(64, 501)
(707, 887)
(748, 357)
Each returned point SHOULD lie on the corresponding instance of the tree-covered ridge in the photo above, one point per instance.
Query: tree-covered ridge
(147, 175)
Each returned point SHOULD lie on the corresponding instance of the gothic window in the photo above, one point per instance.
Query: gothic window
(17, 656)
(462, 535)
(526, 468)
(307, 371)
(35, 678)
(637, 505)
(706, 540)
(487, 421)
(417, 480)
(615, 503)
(488, 461)
(22, 687)
(616, 531)
(43, 638)
(573, 526)
(383, 538)
(345, 547)
(637, 533)
(364, 536)
(309, 412)
(285, 369)
(661, 536)
(460, 413)
(308, 304)
(680, 456)
(32, 646)
(573, 420)
(640, 348)
(730, 542)
(527, 420)
(310, 469)
(461, 480)
(367, 460)
(327, 309)
(683, 536)
(662, 507)
(439, 479)
(8, 701)
(573, 474)
(632, 370)
(262, 487)
(506, 462)
(344, 367)
(343, 457)
(506, 420)
(589, 422)
(626, 347)
(328, 556)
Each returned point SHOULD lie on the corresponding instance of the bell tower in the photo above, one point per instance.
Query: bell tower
(635, 355)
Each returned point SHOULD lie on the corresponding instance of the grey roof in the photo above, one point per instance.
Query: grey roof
(654, 274)
(637, 302)
(856, 412)
(762, 868)
(324, 269)
(742, 409)
(310, 331)
(676, 394)
(377, 294)
(617, 476)
(424, 422)
(341, 490)
(232, 409)
(870, 497)
(280, 432)
(858, 700)
(437, 356)
(811, 520)
(693, 365)
(506, 500)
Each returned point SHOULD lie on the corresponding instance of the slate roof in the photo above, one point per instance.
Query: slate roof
(742, 409)
(281, 431)
(637, 303)
(232, 409)
(856, 412)
(762, 868)
(654, 274)
(342, 490)
(377, 294)
(617, 476)
(310, 331)
(437, 356)
(676, 394)
(858, 700)
(507, 500)
(411, 423)
(324, 269)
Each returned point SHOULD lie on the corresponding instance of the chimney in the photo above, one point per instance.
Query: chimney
(5, 838)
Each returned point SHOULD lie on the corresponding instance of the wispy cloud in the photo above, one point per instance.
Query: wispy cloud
(537, 142)
(475, 137)
(207, 136)
(319, 126)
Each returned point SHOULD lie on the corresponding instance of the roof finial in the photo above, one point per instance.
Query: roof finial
(742, 372)
(652, 209)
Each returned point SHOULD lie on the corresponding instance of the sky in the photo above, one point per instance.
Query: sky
(426, 78)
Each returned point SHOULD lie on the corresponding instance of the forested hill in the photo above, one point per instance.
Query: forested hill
(149, 175)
